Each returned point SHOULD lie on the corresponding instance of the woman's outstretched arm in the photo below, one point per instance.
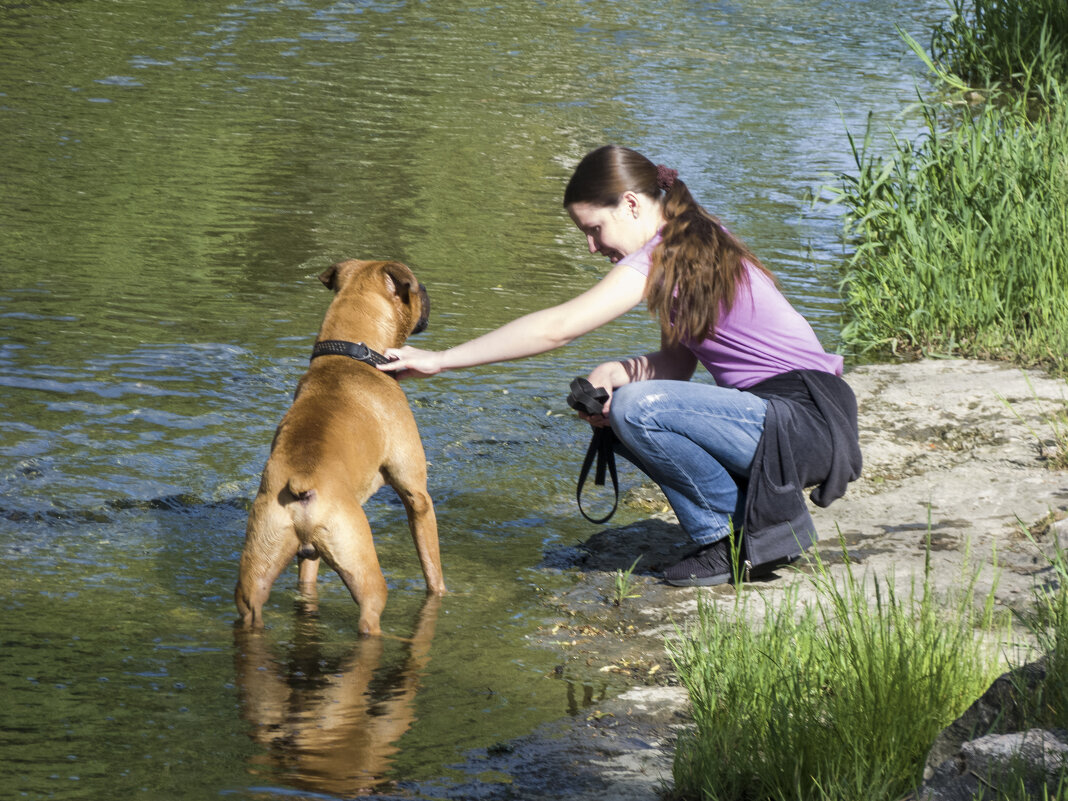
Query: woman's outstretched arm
(619, 291)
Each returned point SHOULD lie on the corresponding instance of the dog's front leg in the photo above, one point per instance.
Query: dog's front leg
(423, 524)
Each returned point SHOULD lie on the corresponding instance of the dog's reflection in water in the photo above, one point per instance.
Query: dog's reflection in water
(330, 725)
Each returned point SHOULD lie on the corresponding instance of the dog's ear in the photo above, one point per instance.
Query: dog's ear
(329, 276)
(404, 281)
(407, 287)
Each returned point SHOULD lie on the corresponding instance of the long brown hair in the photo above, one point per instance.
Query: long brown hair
(698, 266)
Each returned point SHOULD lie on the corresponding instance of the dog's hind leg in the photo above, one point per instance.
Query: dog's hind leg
(270, 544)
(345, 543)
(307, 568)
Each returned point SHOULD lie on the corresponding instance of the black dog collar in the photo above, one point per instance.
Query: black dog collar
(354, 350)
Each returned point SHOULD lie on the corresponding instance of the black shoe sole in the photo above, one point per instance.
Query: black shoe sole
(755, 572)
(706, 581)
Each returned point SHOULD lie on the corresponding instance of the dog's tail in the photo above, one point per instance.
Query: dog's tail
(302, 488)
(305, 513)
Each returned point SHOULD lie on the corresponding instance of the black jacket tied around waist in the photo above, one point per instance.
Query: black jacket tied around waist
(810, 438)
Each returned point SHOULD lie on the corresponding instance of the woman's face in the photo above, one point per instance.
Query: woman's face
(613, 231)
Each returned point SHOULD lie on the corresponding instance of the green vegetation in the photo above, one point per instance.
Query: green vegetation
(1052, 444)
(841, 696)
(960, 238)
(1019, 44)
(1021, 792)
(836, 698)
(1048, 623)
(625, 584)
(1045, 705)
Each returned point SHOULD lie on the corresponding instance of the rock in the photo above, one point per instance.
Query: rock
(999, 710)
(999, 762)
(986, 748)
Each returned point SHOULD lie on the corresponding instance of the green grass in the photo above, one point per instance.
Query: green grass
(960, 239)
(1014, 44)
(625, 584)
(1044, 706)
(841, 696)
(837, 698)
(1019, 790)
(1047, 620)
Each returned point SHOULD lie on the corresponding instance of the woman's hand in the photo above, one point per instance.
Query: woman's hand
(675, 362)
(409, 362)
(608, 375)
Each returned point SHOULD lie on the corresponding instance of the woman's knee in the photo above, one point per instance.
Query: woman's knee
(626, 401)
(637, 409)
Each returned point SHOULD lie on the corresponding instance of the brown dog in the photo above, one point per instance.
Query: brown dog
(349, 430)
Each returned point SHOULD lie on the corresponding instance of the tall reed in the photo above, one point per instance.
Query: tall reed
(838, 698)
(1018, 44)
(960, 239)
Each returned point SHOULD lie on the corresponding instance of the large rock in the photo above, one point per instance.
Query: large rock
(1000, 762)
(985, 748)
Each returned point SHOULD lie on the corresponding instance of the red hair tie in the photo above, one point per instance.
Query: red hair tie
(665, 177)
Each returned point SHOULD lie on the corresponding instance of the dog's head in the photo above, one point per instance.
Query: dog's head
(388, 279)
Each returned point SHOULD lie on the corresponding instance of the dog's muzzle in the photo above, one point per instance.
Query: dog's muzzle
(424, 315)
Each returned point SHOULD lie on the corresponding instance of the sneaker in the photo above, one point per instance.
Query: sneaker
(709, 566)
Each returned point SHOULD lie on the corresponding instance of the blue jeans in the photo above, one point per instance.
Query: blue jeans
(697, 442)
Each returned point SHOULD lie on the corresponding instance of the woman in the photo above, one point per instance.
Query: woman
(733, 457)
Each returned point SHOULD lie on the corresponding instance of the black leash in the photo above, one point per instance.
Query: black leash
(354, 350)
(585, 397)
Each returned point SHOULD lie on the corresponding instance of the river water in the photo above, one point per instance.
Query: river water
(174, 177)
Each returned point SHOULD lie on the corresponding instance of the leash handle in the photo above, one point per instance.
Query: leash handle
(600, 449)
(585, 397)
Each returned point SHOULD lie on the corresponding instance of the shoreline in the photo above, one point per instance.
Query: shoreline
(951, 458)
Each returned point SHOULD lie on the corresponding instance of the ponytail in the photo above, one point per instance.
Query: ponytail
(698, 269)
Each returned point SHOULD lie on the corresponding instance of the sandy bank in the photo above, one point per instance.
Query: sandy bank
(953, 452)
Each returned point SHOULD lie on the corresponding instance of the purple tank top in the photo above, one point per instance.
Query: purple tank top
(760, 337)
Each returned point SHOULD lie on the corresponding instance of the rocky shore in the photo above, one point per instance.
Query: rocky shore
(954, 456)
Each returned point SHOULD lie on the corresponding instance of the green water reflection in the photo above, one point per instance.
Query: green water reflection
(174, 175)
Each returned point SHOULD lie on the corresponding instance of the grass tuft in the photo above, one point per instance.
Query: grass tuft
(1047, 621)
(838, 698)
(1019, 44)
(961, 239)
(625, 584)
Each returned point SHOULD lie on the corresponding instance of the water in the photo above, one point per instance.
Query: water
(174, 177)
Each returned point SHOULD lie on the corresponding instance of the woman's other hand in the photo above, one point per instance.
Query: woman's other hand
(674, 362)
(608, 376)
